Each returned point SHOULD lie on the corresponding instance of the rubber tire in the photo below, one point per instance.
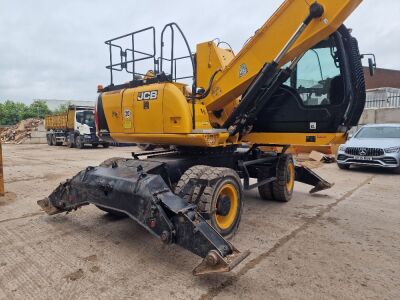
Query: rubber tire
(49, 140)
(112, 212)
(70, 144)
(277, 190)
(343, 166)
(95, 145)
(265, 191)
(208, 199)
(106, 145)
(192, 173)
(78, 142)
(53, 140)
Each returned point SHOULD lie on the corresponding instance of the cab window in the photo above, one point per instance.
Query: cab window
(85, 117)
(317, 77)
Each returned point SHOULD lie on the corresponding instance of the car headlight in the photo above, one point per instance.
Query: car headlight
(392, 150)
(342, 148)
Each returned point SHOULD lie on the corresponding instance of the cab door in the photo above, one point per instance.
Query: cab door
(321, 96)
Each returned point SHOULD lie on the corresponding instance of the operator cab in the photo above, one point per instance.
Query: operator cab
(325, 93)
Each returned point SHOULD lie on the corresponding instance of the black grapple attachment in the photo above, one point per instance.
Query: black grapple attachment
(129, 187)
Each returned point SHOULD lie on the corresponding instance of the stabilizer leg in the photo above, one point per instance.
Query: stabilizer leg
(305, 175)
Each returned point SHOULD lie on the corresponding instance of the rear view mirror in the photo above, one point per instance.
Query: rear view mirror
(371, 63)
(371, 67)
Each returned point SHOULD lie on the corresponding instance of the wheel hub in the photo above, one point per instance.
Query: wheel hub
(223, 205)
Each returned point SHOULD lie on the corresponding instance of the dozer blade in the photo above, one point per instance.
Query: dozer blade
(305, 175)
(128, 186)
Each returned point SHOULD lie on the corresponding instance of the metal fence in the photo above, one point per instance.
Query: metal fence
(383, 98)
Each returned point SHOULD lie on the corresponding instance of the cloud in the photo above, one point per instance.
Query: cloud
(55, 49)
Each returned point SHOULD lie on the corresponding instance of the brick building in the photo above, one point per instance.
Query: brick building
(382, 78)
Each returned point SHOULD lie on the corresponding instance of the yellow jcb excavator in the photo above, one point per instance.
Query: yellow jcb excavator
(298, 79)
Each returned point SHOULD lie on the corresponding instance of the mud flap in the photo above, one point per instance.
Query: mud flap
(148, 200)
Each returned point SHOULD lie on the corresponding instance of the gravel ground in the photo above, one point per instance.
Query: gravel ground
(343, 243)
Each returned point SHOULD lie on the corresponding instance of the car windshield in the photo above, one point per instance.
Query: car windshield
(85, 117)
(379, 133)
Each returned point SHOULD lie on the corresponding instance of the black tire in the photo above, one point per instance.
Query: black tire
(217, 200)
(49, 140)
(265, 190)
(282, 188)
(53, 140)
(146, 147)
(343, 166)
(79, 143)
(106, 145)
(70, 143)
(192, 173)
(113, 212)
(95, 145)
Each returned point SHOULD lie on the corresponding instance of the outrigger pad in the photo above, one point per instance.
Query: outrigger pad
(215, 263)
(125, 186)
(305, 175)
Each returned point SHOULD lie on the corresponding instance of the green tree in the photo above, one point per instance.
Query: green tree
(38, 109)
(12, 112)
(62, 108)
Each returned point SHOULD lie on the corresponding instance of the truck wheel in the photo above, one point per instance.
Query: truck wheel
(106, 145)
(222, 203)
(53, 140)
(282, 188)
(70, 142)
(95, 145)
(79, 143)
(49, 140)
(343, 166)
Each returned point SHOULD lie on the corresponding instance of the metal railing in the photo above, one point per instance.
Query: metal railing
(128, 57)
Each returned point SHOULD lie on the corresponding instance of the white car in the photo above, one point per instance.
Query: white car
(376, 145)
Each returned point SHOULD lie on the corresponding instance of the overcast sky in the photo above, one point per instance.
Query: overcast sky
(55, 49)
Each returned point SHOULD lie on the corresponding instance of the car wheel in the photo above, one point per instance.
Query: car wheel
(343, 166)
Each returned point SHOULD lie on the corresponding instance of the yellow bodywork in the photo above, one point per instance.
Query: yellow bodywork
(162, 113)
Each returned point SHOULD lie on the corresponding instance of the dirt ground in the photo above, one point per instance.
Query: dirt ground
(343, 243)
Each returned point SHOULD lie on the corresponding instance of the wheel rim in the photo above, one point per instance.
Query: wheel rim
(226, 220)
(290, 176)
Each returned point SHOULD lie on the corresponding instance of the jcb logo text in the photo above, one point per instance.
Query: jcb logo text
(151, 95)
